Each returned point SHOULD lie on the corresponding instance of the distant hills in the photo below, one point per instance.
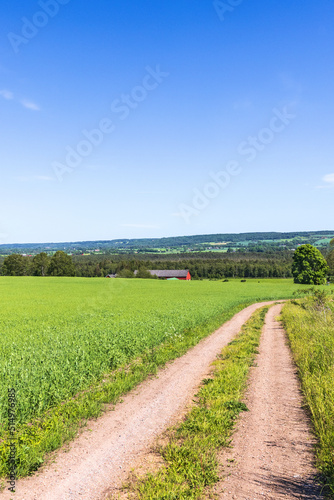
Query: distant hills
(179, 244)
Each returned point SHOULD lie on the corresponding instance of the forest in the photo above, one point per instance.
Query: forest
(201, 266)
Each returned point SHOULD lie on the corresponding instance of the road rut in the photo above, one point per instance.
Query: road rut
(273, 447)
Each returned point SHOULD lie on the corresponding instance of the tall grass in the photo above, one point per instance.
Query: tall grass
(310, 327)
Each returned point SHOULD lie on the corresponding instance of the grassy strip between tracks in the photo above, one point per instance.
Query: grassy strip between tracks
(310, 327)
(191, 453)
(36, 440)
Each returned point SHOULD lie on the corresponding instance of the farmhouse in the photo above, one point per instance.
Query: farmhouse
(183, 274)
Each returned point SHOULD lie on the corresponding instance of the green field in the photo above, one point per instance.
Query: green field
(60, 336)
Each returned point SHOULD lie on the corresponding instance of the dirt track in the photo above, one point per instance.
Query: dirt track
(273, 446)
(104, 453)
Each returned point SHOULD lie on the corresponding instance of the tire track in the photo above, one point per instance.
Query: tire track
(273, 447)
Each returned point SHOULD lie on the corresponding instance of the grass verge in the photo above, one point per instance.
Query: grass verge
(190, 455)
(310, 327)
(35, 441)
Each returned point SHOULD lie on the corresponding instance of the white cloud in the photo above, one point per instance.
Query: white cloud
(30, 105)
(26, 103)
(6, 94)
(329, 178)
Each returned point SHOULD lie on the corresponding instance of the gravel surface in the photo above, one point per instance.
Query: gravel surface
(273, 448)
(102, 456)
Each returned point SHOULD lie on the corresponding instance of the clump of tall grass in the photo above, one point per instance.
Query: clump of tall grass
(310, 327)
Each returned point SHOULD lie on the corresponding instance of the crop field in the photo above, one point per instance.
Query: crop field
(60, 336)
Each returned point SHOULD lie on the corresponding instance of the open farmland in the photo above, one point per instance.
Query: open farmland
(61, 336)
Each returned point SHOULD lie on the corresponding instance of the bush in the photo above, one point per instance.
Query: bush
(125, 273)
(144, 274)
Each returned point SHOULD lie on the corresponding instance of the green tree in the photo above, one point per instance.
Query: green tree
(309, 266)
(40, 264)
(61, 265)
(144, 274)
(125, 273)
(15, 265)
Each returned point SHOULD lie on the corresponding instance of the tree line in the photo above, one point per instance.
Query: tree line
(61, 264)
(201, 266)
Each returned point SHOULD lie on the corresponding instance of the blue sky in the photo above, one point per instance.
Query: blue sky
(146, 118)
